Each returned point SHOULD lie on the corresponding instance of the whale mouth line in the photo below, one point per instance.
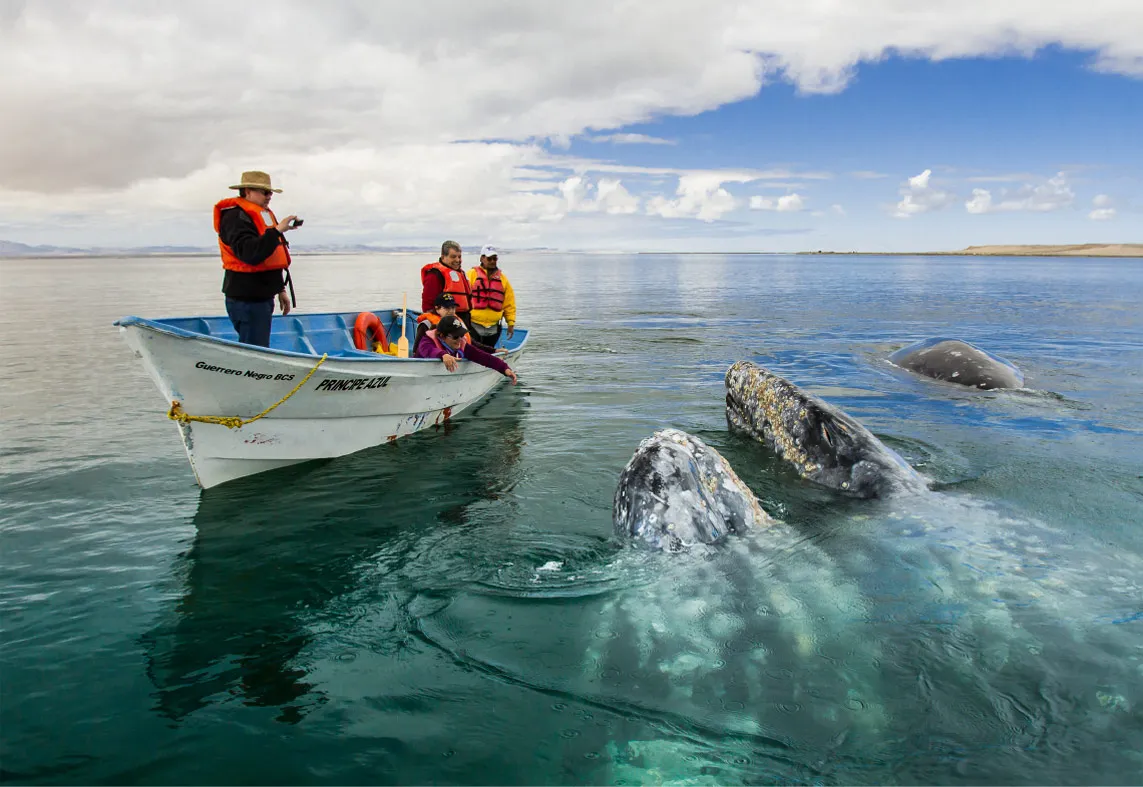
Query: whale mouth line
(736, 407)
(750, 419)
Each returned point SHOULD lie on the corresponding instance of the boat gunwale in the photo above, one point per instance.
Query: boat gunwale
(158, 326)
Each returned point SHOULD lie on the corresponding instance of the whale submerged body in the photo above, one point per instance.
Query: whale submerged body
(787, 636)
(736, 627)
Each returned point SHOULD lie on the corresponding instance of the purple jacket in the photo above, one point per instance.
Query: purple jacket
(428, 349)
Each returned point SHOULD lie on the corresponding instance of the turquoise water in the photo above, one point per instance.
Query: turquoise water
(453, 609)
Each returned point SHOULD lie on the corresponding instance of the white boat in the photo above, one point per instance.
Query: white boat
(242, 409)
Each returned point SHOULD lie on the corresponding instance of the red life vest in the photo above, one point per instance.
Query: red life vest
(455, 283)
(442, 346)
(276, 261)
(488, 291)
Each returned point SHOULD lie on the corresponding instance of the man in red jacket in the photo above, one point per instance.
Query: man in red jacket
(446, 277)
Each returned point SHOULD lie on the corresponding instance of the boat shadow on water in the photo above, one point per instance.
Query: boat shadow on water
(272, 551)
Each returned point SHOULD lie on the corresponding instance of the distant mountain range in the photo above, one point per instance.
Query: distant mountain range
(13, 249)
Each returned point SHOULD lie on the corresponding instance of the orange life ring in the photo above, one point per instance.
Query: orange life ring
(366, 322)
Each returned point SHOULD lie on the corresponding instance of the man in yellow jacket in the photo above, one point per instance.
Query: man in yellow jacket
(492, 299)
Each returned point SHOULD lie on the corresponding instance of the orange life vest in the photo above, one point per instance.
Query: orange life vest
(455, 283)
(276, 261)
(488, 291)
(432, 318)
(442, 346)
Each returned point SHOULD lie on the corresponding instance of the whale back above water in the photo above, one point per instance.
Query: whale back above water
(677, 492)
(820, 441)
(954, 361)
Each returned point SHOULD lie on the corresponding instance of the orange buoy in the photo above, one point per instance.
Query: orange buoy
(366, 323)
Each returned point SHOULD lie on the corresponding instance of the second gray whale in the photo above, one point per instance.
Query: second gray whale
(824, 444)
(955, 361)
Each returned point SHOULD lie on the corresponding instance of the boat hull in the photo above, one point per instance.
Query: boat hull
(346, 405)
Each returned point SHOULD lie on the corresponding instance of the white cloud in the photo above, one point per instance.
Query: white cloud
(788, 203)
(575, 191)
(631, 139)
(161, 86)
(838, 210)
(1053, 194)
(401, 193)
(817, 45)
(581, 164)
(700, 195)
(610, 196)
(981, 201)
(114, 103)
(918, 196)
(1003, 178)
(400, 182)
(614, 198)
(1103, 208)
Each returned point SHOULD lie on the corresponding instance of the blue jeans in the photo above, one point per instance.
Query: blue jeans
(252, 320)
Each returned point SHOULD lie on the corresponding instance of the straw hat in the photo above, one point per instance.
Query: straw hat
(256, 180)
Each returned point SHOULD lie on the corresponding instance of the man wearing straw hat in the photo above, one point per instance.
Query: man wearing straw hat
(254, 255)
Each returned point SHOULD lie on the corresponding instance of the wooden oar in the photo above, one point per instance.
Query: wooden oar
(403, 343)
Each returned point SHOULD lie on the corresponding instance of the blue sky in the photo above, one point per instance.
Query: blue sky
(726, 126)
(994, 123)
(997, 114)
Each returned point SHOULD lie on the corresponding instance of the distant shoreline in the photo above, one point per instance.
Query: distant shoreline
(1076, 250)
(1121, 250)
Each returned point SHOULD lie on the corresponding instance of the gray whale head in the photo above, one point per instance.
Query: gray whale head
(677, 492)
(954, 361)
(822, 443)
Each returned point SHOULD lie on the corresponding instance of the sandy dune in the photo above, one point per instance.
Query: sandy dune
(1079, 250)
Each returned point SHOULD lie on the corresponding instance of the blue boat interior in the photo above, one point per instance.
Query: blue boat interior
(310, 334)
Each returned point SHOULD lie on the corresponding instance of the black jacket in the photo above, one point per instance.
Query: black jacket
(237, 231)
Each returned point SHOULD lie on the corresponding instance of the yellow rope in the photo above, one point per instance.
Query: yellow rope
(233, 421)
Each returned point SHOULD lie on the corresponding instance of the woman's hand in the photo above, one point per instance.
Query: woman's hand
(511, 375)
(450, 362)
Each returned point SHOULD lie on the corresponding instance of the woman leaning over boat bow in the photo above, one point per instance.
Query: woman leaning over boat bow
(449, 342)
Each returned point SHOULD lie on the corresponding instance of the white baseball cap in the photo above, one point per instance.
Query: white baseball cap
(489, 251)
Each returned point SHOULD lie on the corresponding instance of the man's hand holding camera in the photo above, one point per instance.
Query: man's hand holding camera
(288, 223)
